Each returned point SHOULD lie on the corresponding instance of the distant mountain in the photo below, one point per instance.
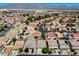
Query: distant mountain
(38, 5)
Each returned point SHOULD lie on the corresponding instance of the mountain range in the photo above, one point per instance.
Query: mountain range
(38, 5)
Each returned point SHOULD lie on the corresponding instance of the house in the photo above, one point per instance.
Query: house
(59, 35)
(9, 36)
(18, 44)
(77, 19)
(53, 27)
(63, 45)
(47, 27)
(7, 51)
(52, 44)
(37, 33)
(34, 24)
(35, 45)
(75, 36)
(40, 44)
(31, 45)
(41, 21)
(63, 27)
(75, 44)
(50, 35)
(30, 29)
(4, 40)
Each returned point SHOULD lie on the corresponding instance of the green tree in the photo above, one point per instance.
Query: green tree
(30, 19)
(62, 31)
(43, 36)
(20, 50)
(26, 50)
(50, 52)
(1, 27)
(36, 37)
(61, 21)
(74, 30)
(73, 52)
(5, 26)
(45, 50)
(36, 28)
(51, 24)
(70, 24)
(55, 14)
(14, 40)
(27, 22)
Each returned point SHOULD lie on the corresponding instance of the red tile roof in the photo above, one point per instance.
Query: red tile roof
(37, 33)
(34, 24)
(46, 27)
(75, 34)
(50, 34)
